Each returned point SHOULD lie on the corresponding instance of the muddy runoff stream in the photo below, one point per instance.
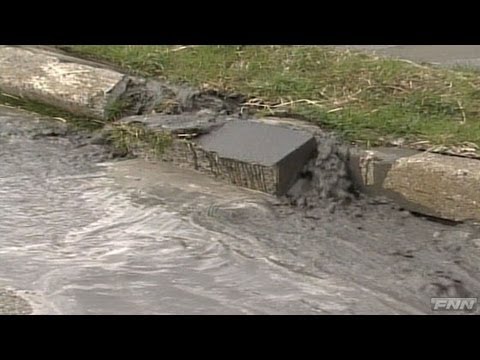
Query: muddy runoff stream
(85, 232)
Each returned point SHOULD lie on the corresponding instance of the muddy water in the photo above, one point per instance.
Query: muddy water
(81, 233)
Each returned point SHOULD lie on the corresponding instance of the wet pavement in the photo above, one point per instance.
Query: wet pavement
(85, 233)
(446, 55)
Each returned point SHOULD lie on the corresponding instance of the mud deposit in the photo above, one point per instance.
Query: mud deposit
(86, 233)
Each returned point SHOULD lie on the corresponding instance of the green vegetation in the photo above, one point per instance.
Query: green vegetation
(79, 122)
(366, 98)
(125, 138)
(132, 138)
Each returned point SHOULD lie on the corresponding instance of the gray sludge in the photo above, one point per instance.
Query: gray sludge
(85, 234)
(325, 177)
(335, 230)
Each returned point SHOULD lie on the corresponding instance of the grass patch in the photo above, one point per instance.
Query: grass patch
(364, 97)
(79, 122)
(127, 139)
(133, 139)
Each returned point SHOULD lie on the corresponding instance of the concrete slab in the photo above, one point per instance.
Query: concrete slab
(369, 168)
(260, 154)
(441, 186)
(285, 150)
(59, 81)
(446, 185)
(254, 142)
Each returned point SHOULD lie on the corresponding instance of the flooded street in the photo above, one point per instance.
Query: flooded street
(82, 233)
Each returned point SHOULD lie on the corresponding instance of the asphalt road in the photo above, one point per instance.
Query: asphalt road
(448, 55)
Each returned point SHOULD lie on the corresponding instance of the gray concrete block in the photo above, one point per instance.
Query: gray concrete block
(441, 186)
(282, 149)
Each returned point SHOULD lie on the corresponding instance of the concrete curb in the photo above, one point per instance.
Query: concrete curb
(251, 153)
(59, 81)
(437, 185)
(83, 87)
(442, 186)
